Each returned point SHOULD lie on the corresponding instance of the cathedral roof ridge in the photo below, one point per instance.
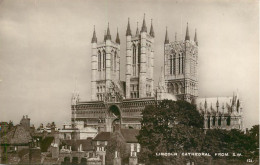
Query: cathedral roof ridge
(212, 97)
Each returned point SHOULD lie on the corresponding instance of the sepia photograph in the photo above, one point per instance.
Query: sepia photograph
(129, 82)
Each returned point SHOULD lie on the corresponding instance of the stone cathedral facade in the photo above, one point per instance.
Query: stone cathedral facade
(116, 103)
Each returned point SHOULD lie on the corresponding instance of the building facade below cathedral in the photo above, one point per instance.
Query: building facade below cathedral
(115, 102)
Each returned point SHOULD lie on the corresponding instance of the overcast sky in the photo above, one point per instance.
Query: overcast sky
(45, 46)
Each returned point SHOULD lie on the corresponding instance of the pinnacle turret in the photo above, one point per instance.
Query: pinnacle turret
(94, 38)
(166, 37)
(195, 38)
(128, 30)
(205, 104)
(151, 29)
(144, 28)
(108, 37)
(117, 37)
(187, 37)
(217, 104)
(137, 30)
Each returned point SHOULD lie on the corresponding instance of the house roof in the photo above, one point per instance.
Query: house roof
(130, 135)
(86, 144)
(103, 136)
(46, 142)
(17, 135)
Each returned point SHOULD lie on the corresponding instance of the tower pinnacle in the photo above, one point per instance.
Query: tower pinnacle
(144, 28)
(128, 30)
(94, 38)
(137, 30)
(108, 33)
(195, 38)
(166, 37)
(151, 29)
(187, 37)
(117, 37)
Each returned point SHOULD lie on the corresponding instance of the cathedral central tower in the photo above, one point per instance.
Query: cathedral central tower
(181, 67)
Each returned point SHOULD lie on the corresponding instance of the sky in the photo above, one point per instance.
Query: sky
(45, 49)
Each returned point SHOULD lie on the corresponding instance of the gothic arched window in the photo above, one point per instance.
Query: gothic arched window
(115, 56)
(228, 120)
(171, 64)
(112, 61)
(104, 59)
(180, 63)
(139, 53)
(99, 60)
(208, 122)
(176, 89)
(172, 88)
(134, 54)
(219, 121)
(134, 60)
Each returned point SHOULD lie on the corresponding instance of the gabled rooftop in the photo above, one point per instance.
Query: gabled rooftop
(102, 136)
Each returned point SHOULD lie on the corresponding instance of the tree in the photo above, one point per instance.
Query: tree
(170, 126)
(233, 141)
(116, 143)
(254, 132)
(177, 127)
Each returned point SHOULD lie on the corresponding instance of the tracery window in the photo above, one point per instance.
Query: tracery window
(171, 64)
(99, 61)
(179, 63)
(115, 56)
(219, 121)
(134, 60)
(134, 54)
(174, 65)
(228, 120)
(208, 122)
(104, 59)
(139, 53)
(112, 61)
(182, 64)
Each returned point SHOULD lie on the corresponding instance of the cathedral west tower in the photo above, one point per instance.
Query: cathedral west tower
(139, 62)
(105, 63)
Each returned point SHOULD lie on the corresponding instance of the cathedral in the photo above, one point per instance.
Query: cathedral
(116, 103)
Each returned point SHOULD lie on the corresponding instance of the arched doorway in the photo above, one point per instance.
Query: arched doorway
(113, 119)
